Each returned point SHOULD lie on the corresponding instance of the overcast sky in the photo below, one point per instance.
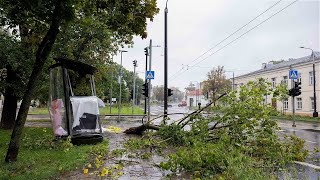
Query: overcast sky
(195, 27)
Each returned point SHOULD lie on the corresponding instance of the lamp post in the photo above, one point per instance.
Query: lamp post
(120, 82)
(315, 113)
(134, 85)
(165, 62)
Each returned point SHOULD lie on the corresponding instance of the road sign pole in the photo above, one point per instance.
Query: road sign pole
(149, 84)
(293, 113)
(293, 106)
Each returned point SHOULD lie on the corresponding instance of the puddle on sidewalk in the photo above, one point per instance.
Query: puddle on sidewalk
(133, 167)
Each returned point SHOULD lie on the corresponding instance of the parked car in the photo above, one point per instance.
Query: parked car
(183, 103)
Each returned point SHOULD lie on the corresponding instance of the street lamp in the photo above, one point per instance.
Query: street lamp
(315, 113)
(120, 82)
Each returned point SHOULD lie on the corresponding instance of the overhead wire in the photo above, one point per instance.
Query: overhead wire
(237, 38)
(231, 34)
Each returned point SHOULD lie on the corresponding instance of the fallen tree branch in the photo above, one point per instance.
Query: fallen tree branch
(160, 116)
(199, 111)
(140, 129)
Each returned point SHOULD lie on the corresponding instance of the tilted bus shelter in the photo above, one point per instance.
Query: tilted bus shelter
(72, 114)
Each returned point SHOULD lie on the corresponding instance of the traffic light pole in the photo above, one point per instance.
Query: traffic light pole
(293, 113)
(149, 82)
(293, 105)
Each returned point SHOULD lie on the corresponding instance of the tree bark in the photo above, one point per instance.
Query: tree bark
(9, 110)
(8, 115)
(42, 54)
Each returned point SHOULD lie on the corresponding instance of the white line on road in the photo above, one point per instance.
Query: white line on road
(307, 164)
(310, 141)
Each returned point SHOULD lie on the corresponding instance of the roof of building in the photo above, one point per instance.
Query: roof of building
(287, 63)
(194, 93)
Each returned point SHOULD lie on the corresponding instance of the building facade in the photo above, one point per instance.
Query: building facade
(278, 72)
(195, 97)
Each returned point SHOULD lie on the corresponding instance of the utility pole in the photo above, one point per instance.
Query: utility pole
(165, 63)
(145, 79)
(134, 85)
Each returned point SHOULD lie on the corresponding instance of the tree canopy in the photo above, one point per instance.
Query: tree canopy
(39, 24)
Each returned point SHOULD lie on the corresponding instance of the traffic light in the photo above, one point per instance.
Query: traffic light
(291, 92)
(146, 51)
(145, 89)
(135, 63)
(297, 88)
(170, 92)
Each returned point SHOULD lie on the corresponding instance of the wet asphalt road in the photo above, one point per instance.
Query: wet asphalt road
(309, 131)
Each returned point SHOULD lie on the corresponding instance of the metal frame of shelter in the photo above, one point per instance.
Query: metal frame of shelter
(64, 92)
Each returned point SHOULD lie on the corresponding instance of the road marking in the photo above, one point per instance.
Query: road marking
(307, 164)
(310, 141)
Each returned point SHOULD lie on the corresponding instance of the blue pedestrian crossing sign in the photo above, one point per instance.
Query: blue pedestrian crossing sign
(293, 74)
(150, 75)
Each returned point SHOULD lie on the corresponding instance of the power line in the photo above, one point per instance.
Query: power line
(240, 36)
(231, 34)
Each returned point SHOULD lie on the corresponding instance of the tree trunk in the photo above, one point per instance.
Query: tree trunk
(43, 52)
(8, 115)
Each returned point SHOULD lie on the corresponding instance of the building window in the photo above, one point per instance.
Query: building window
(311, 78)
(273, 81)
(299, 75)
(299, 103)
(285, 80)
(285, 104)
(312, 103)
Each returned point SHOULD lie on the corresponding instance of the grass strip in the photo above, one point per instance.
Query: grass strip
(42, 158)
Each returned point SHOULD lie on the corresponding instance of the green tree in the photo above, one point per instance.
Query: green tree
(13, 81)
(40, 22)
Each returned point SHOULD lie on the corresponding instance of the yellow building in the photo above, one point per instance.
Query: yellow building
(277, 72)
